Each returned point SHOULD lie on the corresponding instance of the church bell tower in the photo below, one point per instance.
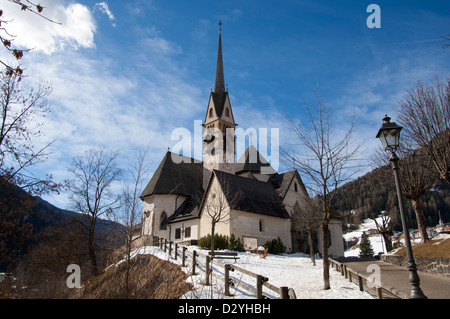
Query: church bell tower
(219, 149)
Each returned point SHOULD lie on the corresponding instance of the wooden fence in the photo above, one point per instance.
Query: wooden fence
(350, 274)
(182, 252)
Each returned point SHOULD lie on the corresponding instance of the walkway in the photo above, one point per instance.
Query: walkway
(433, 286)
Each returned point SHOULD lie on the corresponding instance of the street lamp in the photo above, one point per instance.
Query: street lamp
(389, 135)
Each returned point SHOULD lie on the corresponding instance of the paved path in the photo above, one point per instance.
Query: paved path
(433, 286)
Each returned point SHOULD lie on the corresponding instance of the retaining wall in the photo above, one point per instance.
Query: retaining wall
(440, 266)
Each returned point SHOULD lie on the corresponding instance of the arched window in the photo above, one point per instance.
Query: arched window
(210, 112)
(227, 112)
(163, 221)
(295, 187)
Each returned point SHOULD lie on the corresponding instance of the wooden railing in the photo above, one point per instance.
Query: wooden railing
(350, 274)
(192, 256)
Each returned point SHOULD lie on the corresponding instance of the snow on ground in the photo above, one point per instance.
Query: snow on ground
(376, 240)
(292, 270)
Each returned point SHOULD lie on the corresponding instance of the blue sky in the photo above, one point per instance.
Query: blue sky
(127, 73)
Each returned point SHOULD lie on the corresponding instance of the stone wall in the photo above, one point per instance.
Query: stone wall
(439, 266)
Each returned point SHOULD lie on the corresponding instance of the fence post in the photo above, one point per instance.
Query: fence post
(183, 257)
(160, 243)
(194, 261)
(379, 293)
(176, 251)
(259, 282)
(227, 280)
(170, 248)
(207, 271)
(165, 245)
(361, 285)
(350, 276)
(284, 292)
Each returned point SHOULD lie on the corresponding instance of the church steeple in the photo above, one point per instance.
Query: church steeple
(219, 86)
(219, 150)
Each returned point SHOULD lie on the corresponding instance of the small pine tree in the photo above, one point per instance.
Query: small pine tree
(365, 246)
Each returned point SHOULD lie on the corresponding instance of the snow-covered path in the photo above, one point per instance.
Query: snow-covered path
(292, 270)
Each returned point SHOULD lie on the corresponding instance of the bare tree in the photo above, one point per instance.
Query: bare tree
(307, 217)
(132, 209)
(219, 205)
(326, 161)
(385, 229)
(90, 192)
(417, 179)
(21, 109)
(7, 39)
(425, 114)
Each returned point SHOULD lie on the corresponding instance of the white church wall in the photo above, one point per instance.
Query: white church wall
(337, 242)
(294, 194)
(205, 220)
(262, 227)
(185, 230)
(153, 207)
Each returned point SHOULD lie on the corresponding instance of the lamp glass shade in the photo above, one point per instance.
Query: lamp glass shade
(390, 138)
(389, 134)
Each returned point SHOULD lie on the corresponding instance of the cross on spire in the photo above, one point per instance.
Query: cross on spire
(220, 25)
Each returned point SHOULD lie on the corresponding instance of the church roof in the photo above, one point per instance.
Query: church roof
(253, 161)
(219, 85)
(281, 182)
(176, 174)
(251, 195)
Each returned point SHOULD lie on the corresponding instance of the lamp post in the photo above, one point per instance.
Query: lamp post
(389, 135)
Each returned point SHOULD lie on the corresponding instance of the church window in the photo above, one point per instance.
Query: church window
(163, 221)
(210, 112)
(261, 225)
(227, 112)
(187, 232)
(177, 233)
(295, 187)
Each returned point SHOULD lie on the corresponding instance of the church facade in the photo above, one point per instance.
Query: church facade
(186, 198)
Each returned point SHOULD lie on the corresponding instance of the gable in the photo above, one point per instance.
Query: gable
(219, 107)
(249, 195)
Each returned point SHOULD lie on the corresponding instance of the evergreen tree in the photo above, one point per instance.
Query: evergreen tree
(366, 249)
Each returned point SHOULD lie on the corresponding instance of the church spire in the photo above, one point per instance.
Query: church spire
(219, 86)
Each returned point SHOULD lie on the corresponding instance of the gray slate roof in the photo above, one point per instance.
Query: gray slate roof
(176, 174)
(252, 161)
(252, 195)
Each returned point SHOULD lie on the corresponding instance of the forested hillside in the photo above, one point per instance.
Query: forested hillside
(372, 193)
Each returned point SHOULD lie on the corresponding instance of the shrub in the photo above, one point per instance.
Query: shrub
(275, 246)
(235, 244)
(220, 242)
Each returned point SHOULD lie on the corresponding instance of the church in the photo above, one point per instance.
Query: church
(247, 198)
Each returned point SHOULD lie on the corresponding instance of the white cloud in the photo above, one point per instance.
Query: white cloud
(76, 30)
(103, 7)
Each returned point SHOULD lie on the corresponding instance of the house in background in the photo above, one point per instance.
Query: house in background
(256, 202)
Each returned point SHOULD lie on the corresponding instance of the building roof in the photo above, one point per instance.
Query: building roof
(253, 161)
(176, 174)
(251, 195)
(219, 85)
